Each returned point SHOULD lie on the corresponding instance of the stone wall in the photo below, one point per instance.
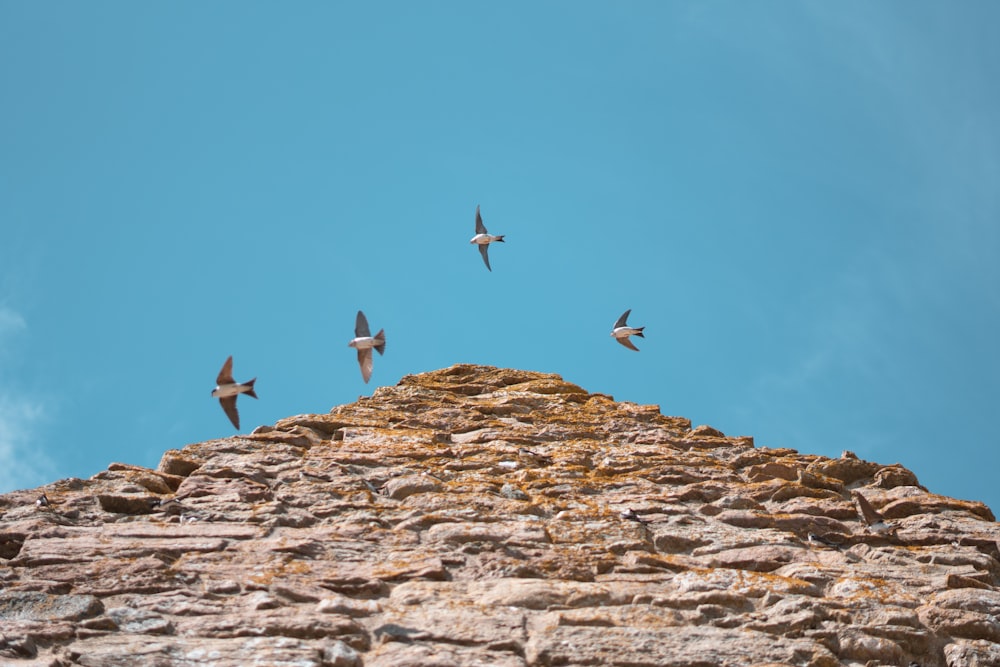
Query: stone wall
(480, 516)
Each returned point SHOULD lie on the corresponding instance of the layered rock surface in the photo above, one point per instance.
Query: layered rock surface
(479, 516)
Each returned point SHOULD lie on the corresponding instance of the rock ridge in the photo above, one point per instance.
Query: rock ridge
(483, 516)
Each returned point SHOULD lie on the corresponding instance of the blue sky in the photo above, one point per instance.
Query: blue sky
(799, 201)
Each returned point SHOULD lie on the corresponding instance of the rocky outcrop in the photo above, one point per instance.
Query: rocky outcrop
(478, 516)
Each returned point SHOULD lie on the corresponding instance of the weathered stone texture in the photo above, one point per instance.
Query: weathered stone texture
(479, 516)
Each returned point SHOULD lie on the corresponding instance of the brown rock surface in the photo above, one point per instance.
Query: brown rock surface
(479, 516)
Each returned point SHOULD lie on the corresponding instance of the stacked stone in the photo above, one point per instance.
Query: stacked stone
(481, 516)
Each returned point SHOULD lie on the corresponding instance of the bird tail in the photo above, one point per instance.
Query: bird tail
(380, 337)
(639, 332)
(498, 239)
(250, 392)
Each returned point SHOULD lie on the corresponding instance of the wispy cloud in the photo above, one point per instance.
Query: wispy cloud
(846, 320)
(847, 352)
(10, 321)
(22, 465)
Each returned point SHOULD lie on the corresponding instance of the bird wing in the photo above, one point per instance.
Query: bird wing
(868, 513)
(361, 326)
(226, 374)
(365, 362)
(483, 250)
(229, 406)
(622, 319)
(627, 343)
(480, 227)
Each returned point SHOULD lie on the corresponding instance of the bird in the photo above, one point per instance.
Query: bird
(876, 522)
(227, 390)
(622, 331)
(630, 514)
(831, 540)
(363, 342)
(483, 239)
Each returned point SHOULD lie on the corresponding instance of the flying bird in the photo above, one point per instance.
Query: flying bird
(483, 239)
(622, 331)
(873, 519)
(228, 389)
(363, 342)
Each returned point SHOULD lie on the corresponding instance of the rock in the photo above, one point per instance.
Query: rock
(671, 646)
(402, 487)
(893, 476)
(928, 504)
(176, 464)
(770, 471)
(135, 621)
(430, 654)
(349, 607)
(514, 493)
(765, 558)
(10, 544)
(705, 431)
(846, 469)
(118, 650)
(484, 516)
(972, 654)
(43, 607)
(339, 654)
(856, 644)
(19, 647)
(126, 504)
(969, 613)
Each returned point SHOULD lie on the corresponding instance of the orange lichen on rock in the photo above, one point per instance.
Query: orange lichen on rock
(478, 515)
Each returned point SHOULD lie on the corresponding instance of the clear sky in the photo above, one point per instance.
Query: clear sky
(799, 200)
